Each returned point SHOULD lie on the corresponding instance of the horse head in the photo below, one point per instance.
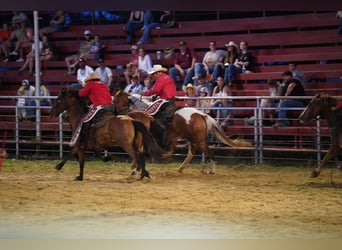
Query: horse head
(320, 105)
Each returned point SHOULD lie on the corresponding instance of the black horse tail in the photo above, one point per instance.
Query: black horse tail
(151, 147)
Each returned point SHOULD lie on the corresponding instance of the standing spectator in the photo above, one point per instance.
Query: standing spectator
(155, 20)
(242, 64)
(135, 22)
(144, 64)
(56, 24)
(190, 91)
(83, 71)
(293, 87)
(203, 104)
(134, 87)
(29, 90)
(164, 86)
(229, 58)
(184, 65)
(210, 59)
(132, 66)
(21, 104)
(84, 52)
(104, 72)
(43, 91)
(339, 16)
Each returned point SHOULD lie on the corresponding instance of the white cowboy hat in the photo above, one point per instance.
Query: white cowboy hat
(189, 85)
(231, 43)
(92, 77)
(157, 68)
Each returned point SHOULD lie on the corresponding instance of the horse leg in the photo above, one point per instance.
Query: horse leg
(81, 158)
(134, 168)
(315, 173)
(188, 158)
(60, 165)
(141, 165)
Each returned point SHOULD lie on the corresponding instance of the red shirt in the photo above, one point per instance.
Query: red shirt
(97, 92)
(164, 87)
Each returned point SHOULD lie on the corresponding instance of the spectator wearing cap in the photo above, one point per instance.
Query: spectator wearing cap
(105, 73)
(190, 91)
(134, 87)
(184, 65)
(210, 59)
(164, 86)
(25, 91)
(83, 71)
(132, 65)
(202, 82)
(202, 103)
(84, 52)
(135, 22)
(292, 87)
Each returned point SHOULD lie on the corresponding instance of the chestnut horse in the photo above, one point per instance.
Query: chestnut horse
(188, 123)
(108, 131)
(322, 105)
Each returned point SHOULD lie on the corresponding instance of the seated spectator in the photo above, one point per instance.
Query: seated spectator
(210, 59)
(19, 17)
(30, 57)
(275, 89)
(104, 72)
(84, 52)
(147, 84)
(5, 34)
(339, 16)
(135, 22)
(21, 104)
(184, 65)
(225, 115)
(203, 104)
(190, 91)
(57, 23)
(155, 20)
(203, 82)
(229, 58)
(98, 48)
(217, 92)
(83, 71)
(134, 87)
(132, 66)
(242, 64)
(297, 74)
(144, 64)
(293, 87)
(43, 91)
(29, 91)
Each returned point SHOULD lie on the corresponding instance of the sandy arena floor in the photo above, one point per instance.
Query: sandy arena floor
(238, 202)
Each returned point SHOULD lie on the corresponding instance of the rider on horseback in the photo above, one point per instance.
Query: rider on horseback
(99, 95)
(164, 88)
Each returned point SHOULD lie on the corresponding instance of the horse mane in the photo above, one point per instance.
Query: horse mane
(331, 101)
(73, 91)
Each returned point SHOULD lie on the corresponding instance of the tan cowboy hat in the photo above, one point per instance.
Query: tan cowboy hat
(157, 68)
(92, 77)
(189, 86)
(231, 43)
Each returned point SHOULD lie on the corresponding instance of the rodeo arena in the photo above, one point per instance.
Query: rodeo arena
(170, 124)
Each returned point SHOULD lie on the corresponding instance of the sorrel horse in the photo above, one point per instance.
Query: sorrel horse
(188, 123)
(321, 105)
(108, 131)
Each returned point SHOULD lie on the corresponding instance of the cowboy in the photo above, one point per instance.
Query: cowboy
(99, 95)
(163, 86)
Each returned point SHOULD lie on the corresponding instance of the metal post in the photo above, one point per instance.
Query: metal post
(37, 79)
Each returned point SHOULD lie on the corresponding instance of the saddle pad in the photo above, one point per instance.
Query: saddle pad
(155, 106)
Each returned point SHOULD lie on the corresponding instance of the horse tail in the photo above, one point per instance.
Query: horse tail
(214, 128)
(151, 147)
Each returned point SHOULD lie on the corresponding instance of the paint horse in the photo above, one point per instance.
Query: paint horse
(106, 132)
(186, 122)
(323, 105)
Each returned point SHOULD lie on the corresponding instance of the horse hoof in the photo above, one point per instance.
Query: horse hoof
(78, 178)
(314, 174)
(58, 167)
(180, 171)
(133, 173)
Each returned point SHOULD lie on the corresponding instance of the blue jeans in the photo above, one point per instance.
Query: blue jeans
(289, 103)
(32, 111)
(149, 24)
(130, 29)
(174, 72)
(230, 73)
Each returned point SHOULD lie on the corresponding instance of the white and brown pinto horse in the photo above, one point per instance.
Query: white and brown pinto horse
(186, 123)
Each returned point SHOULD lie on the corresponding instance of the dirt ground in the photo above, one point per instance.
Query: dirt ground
(238, 202)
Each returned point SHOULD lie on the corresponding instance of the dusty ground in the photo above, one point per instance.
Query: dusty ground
(237, 202)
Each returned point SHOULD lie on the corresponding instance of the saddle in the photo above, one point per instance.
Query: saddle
(162, 109)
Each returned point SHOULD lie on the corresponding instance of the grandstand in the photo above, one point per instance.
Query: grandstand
(309, 38)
